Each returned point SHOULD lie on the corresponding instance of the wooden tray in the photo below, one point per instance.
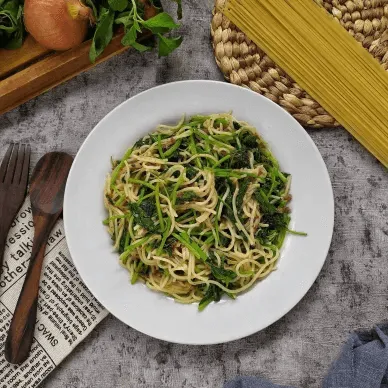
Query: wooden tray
(31, 70)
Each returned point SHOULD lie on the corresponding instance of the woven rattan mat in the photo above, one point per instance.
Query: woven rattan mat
(245, 64)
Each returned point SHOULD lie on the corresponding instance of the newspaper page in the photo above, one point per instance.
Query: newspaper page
(67, 311)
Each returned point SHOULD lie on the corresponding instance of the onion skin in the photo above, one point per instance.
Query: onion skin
(57, 24)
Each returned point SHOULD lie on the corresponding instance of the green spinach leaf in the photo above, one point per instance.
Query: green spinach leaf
(168, 45)
(118, 5)
(187, 196)
(160, 24)
(169, 244)
(222, 274)
(130, 36)
(11, 24)
(243, 187)
(240, 159)
(191, 172)
(103, 34)
(265, 206)
(213, 293)
(143, 214)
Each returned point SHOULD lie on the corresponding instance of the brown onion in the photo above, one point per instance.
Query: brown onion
(57, 24)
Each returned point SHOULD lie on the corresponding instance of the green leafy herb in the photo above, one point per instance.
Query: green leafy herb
(240, 159)
(187, 196)
(165, 237)
(213, 294)
(276, 230)
(160, 24)
(222, 274)
(249, 140)
(131, 14)
(169, 245)
(222, 186)
(224, 241)
(265, 206)
(172, 149)
(243, 187)
(277, 220)
(103, 34)
(143, 214)
(158, 207)
(191, 172)
(218, 122)
(229, 173)
(168, 45)
(140, 269)
(11, 24)
(118, 168)
(294, 232)
(192, 246)
(123, 241)
(194, 151)
(130, 36)
(219, 272)
(118, 5)
(236, 125)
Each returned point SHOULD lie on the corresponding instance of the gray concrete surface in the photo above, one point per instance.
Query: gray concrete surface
(351, 291)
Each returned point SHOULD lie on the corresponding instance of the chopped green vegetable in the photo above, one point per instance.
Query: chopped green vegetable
(218, 122)
(240, 159)
(164, 244)
(236, 125)
(264, 203)
(191, 172)
(243, 187)
(140, 269)
(118, 168)
(158, 208)
(123, 241)
(213, 294)
(187, 196)
(169, 245)
(144, 213)
(172, 149)
(191, 245)
(225, 275)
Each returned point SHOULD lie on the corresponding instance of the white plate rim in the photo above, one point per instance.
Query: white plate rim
(308, 284)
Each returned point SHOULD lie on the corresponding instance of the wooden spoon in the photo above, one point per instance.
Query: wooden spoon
(46, 192)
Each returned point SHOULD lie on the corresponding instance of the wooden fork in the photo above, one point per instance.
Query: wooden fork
(13, 188)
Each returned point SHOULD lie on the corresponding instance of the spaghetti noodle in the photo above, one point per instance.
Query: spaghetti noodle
(325, 60)
(199, 209)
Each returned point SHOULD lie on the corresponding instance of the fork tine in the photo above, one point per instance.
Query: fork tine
(26, 165)
(12, 163)
(4, 164)
(19, 163)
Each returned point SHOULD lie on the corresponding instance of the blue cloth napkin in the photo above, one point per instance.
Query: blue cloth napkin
(363, 363)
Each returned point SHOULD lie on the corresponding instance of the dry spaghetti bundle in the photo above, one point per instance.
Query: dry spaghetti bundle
(325, 60)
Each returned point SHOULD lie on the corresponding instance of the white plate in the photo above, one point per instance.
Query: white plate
(153, 313)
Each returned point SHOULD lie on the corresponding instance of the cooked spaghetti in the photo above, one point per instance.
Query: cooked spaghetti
(198, 209)
(324, 59)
